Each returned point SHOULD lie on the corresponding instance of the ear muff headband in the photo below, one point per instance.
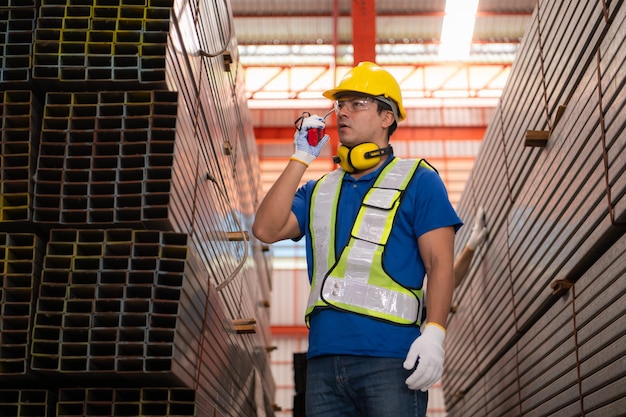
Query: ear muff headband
(360, 157)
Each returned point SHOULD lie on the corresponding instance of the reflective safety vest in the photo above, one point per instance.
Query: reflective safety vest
(356, 281)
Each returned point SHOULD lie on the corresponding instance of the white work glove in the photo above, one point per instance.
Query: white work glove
(479, 231)
(427, 353)
(305, 152)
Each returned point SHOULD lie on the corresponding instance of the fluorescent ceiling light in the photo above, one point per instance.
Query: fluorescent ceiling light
(457, 29)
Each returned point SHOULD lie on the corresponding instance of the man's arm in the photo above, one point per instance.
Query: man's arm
(426, 353)
(437, 251)
(274, 219)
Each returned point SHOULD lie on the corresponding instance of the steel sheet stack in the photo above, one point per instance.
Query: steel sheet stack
(539, 325)
(129, 177)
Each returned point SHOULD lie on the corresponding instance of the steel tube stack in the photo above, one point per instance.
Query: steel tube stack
(128, 165)
(539, 322)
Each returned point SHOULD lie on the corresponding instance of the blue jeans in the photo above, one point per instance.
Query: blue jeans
(350, 386)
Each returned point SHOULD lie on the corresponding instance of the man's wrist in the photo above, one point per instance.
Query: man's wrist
(435, 330)
(432, 323)
(293, 158)
(303, 157)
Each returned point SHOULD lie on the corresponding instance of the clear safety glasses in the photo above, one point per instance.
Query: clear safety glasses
(354, 104)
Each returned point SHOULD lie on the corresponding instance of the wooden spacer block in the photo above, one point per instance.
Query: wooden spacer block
(237, 237)
(243, 326)
(228, 59)
(560, 286)
(271, 348)
(537, 138)
(227, 148)
(453, 309)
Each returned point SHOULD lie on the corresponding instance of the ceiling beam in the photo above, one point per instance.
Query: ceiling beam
(409, 41)
(432, 85)
(364, 30)
(281, 135)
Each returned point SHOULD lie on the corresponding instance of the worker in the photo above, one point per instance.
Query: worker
(477, 237)
(373, 227)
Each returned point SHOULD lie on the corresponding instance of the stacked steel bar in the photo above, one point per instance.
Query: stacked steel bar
(105, 43)
(17, 25)
(126, 402)
(539, 323)
(19, 120)
(108, 302)
(106, 158)
(20, 266)
(25, 402)
(139, 178)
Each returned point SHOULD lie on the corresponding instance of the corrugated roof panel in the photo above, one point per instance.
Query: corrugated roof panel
(413, 28)
(519, 6)
(283, 368)
(251, 29)
(492, 28)
(462, 148)
(410, 6)
(283, 7)
(404, 7)
(293, 30)
(289, 293)
(449, 116)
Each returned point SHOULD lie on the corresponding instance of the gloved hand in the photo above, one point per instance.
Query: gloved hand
(305, 152)
(427, 352)
(479, 231)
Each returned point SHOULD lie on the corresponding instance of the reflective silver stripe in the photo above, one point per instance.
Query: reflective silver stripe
(398, 175)
(382, 300)
(322, 221)
(360, 261)
(384, 196)
(373, 224)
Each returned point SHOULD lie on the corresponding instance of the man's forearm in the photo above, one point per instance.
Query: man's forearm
(439, 299)
(271, 221)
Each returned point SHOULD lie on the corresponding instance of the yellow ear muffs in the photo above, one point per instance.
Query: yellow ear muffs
(343, 158)
(364, 156)
(360, 157)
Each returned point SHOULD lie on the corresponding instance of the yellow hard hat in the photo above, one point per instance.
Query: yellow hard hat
(371, 79)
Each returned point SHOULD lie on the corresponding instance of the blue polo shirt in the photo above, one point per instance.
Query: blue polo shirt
(425, 206)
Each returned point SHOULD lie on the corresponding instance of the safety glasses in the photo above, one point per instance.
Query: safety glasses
(354, 104)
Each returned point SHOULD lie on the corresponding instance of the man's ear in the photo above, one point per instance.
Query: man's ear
(388, 119)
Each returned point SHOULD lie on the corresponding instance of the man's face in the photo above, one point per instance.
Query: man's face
(358, 120)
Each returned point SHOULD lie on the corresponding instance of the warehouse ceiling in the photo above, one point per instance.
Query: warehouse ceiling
(296, 49)
(291, 51)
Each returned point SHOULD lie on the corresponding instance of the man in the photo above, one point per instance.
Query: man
(373, 228)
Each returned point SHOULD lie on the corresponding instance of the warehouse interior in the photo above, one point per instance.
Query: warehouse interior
(139, 136)
(290, 54)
